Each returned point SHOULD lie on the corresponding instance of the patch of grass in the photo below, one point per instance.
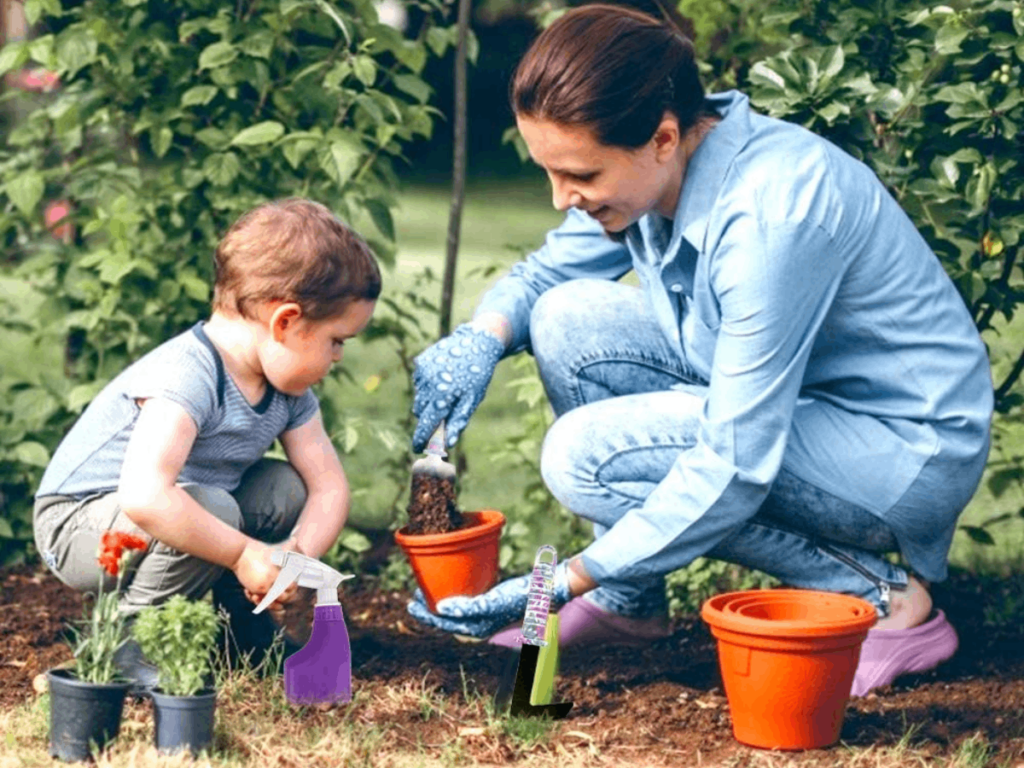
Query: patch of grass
(527, 732)
(973, 752)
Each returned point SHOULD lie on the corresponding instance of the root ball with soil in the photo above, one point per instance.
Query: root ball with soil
(432, 506)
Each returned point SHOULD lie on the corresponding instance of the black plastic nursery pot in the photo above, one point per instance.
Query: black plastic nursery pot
(184, 722)
(82, 715)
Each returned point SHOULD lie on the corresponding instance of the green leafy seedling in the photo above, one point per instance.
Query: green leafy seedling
(179, 637)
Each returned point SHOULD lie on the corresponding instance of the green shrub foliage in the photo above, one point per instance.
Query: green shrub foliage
(179, 637)
(172, 119)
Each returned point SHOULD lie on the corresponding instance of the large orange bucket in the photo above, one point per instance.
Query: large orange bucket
(462, 562)
(788, 658)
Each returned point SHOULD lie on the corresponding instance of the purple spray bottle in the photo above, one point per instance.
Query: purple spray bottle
(321, 672)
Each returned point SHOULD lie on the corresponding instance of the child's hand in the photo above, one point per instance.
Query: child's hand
(257, 574)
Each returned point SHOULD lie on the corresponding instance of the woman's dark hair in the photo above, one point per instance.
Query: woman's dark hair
(613, 69)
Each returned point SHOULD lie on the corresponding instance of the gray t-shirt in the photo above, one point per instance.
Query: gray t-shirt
(233, 434)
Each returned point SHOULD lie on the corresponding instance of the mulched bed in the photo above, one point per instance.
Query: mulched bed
(664, 700)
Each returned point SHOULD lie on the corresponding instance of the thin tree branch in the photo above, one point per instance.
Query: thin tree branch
(1011, 378)
(458, 171)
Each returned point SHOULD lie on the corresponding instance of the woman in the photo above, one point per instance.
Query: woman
(795, 387)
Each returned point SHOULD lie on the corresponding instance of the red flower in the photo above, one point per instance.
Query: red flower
(113, 545)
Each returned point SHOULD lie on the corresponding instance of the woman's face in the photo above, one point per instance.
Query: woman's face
(615, 186)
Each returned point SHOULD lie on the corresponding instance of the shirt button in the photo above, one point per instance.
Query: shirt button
(676, 288)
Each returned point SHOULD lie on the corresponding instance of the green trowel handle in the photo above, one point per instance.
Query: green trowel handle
(547, 665)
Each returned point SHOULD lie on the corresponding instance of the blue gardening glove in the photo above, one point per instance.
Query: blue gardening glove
(485, 614)
(450, 380)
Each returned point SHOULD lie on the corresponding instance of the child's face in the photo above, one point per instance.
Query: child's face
(300, 352)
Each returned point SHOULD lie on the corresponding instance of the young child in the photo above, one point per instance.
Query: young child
(174, 445)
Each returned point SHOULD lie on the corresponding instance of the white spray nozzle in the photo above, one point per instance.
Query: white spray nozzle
(308, 573)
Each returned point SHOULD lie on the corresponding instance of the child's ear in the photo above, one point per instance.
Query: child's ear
(284, 318)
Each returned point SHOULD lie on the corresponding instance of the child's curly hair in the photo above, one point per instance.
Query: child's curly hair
(293, 250)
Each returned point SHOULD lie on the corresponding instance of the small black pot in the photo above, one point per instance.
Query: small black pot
(81, 713)
(184, 721)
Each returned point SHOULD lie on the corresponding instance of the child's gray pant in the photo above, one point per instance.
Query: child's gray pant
(266, 506)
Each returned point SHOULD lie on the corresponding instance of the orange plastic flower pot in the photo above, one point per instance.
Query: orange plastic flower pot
(788, 657)
(462, 562)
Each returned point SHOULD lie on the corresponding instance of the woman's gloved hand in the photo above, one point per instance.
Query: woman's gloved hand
(450, 380)
(485, 614)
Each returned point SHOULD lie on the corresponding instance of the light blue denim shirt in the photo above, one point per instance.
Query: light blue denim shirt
(789, 275)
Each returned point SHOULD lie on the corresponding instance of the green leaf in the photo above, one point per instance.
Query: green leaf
(199, 95)
(513, 137)
(296, 146)
(354, 541)
(947, 172)
(832, 62)
(986, 179)
(966, 155)
(76, 48)
(382, 219)
(221, 168)
(980, 535)
(6, 532)
(920, 16)
(413, 86)
(961, 93)
(32, 10)
(41, 49)
(26, 190)
(214, 138)
(13, 56)
(328, 8)
(764, 75)
(258, 45)
(161, 139)
(262, 133)
(831, 111)
(217, 55)
(195, 287)
(32, 453)
(82, 395)
(472, 46)
(438, 39)
(948, 39)
(365, 70)
(342, 159)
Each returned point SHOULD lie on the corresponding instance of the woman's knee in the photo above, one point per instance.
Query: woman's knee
(562, 456)
(565, 316)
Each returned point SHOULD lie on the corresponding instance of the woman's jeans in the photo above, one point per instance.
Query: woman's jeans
(635, 405)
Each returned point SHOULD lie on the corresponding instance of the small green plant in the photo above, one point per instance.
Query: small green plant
(179, 637)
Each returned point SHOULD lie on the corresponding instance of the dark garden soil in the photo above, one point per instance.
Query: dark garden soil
(662, 703)
(432, 506)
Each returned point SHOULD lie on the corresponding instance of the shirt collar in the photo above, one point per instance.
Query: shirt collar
(707, 167)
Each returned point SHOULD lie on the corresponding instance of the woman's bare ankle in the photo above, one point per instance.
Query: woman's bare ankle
(908, 608)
